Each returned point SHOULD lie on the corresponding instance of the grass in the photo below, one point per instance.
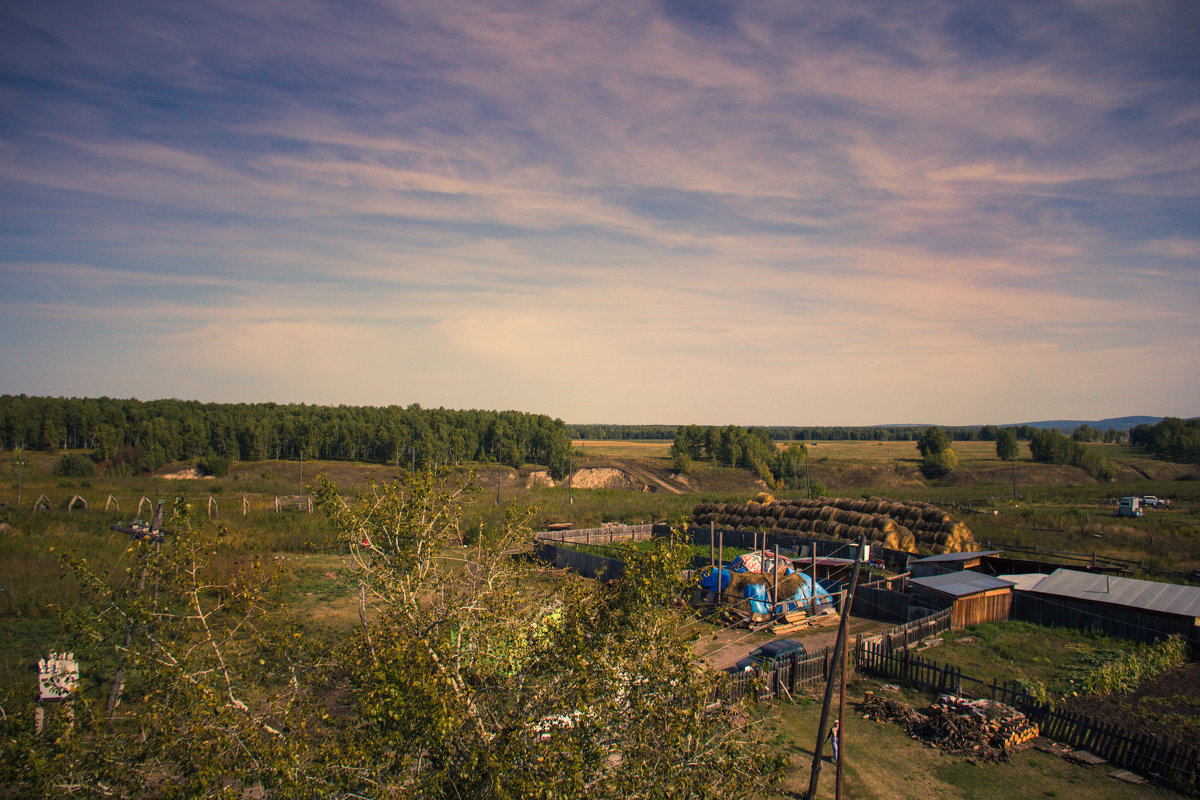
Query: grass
(882, 762)
(1035, 654)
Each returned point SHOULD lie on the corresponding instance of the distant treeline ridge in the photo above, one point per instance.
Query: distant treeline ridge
(138, 436)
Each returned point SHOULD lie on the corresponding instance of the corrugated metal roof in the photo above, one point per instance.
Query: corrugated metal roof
(961, 584)
(1024, 581)
(1167, 598)
(955, 557)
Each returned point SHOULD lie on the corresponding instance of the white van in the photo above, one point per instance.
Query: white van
(1129, 507)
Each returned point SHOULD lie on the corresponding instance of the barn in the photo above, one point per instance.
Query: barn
(974, 597)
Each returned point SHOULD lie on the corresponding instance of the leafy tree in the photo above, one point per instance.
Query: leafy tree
(463, 679)
(933, 441)
(937, 458)
(1006, 444)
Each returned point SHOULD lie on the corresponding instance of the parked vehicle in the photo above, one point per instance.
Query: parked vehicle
(1129, 507)
(1150, 501)
(766, 656)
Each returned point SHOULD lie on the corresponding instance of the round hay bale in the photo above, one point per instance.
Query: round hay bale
(764, 498)
(827, 512)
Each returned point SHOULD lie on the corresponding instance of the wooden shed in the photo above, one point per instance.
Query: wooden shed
(948, 562)
(974, 597)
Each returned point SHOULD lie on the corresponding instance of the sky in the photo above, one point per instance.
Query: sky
(769, 212)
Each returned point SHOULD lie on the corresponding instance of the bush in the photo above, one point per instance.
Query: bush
(682, 463)
(935, 465)
(74, 465)
(217, 466)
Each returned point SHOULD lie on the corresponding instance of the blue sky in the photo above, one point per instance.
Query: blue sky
(689, 212)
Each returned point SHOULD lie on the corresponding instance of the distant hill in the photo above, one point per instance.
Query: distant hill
(1068, 425)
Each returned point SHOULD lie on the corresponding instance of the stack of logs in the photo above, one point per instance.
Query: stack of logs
(896, 524)
(984, 730)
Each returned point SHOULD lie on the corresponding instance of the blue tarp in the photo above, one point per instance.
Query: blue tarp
(716, 580)
(760, 601)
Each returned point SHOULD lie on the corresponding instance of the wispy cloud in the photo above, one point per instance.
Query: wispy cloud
(582, 209)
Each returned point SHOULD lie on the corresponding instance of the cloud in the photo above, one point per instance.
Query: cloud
(584, 208)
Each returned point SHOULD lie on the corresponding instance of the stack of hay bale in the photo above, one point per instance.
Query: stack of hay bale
(896, 524)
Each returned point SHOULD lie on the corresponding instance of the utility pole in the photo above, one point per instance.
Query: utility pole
(499, 455)
(20, 474)
(839, 657)
(301, 472)
(570, 480)
(1013, 462)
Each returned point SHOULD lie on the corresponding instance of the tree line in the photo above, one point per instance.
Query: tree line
(135, 436)
(829, 433)
(1173, 438)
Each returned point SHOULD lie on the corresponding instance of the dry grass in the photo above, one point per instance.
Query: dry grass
(657, 448)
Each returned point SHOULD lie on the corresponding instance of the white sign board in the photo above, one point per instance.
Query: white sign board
(58, 676)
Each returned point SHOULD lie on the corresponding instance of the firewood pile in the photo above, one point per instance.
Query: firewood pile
(984, 730)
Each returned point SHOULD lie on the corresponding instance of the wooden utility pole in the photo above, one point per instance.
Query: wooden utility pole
(838, 656)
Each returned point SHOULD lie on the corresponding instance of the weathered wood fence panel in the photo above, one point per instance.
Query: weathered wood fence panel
(1173, 762)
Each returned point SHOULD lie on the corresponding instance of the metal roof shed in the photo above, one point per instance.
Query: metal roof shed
(947, 562)
(1125, 607)
(974, 597)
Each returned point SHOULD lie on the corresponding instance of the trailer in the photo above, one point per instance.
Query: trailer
(1129, 507)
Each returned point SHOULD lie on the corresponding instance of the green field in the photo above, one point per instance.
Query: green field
(1058, 508)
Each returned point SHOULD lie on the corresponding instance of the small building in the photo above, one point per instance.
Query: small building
(1124, 607)
(974, 597)
(948, 562)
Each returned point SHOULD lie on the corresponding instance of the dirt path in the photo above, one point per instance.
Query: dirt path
(646, 476)
(725, 647)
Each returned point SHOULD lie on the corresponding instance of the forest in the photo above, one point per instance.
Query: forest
(133, 436)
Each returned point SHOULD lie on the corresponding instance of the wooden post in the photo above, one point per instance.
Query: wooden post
(245, 505)
(112, 500)
(812, 600)
(775, 589)
(213, 509)
(276, 504)
(721, 550)
(712, 547)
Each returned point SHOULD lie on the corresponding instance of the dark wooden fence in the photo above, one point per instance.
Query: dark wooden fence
(903, 666)
(903, 636)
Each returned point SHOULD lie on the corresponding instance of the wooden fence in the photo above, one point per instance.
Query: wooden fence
(1161, 757)
(903, 666)
(783, 679)
(903, 636)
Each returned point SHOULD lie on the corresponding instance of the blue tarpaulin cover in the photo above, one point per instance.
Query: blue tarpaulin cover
(760, 601)
(716, 580)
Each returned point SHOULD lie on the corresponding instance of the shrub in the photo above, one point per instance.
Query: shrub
(217, 466)
(935, 465)
(74, 465)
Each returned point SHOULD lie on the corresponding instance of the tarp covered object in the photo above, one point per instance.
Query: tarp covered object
(716, 580)
(761, 562)
(803, 594)
(760, 600)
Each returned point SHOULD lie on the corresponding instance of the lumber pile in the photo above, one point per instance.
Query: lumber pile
(896, 524)
(799, 621)
(985, 730)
